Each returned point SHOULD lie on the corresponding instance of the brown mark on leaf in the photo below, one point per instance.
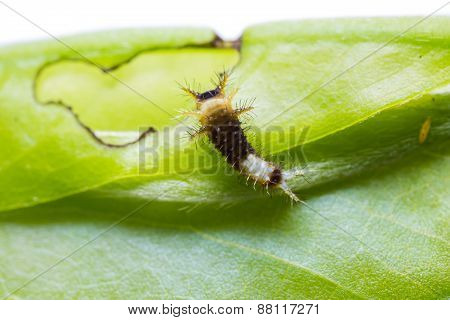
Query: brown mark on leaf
(424, 130)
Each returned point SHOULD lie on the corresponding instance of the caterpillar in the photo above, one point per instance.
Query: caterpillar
(220, 122)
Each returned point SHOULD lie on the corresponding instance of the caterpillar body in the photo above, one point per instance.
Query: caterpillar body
(220, 122)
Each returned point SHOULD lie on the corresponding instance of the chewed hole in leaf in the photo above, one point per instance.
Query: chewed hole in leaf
(139, 93)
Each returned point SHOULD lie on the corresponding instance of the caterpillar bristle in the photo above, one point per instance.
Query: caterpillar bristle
(289, 192)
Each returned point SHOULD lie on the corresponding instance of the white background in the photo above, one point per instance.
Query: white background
(227, 17)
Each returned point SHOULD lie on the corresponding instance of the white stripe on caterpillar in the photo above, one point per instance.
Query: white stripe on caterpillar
(258, 169)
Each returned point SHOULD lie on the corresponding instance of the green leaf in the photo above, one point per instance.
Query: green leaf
(376, 225)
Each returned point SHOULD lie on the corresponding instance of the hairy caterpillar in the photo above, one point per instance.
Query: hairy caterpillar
(220, 123)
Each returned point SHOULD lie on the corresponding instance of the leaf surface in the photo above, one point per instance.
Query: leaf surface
(348, 97)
